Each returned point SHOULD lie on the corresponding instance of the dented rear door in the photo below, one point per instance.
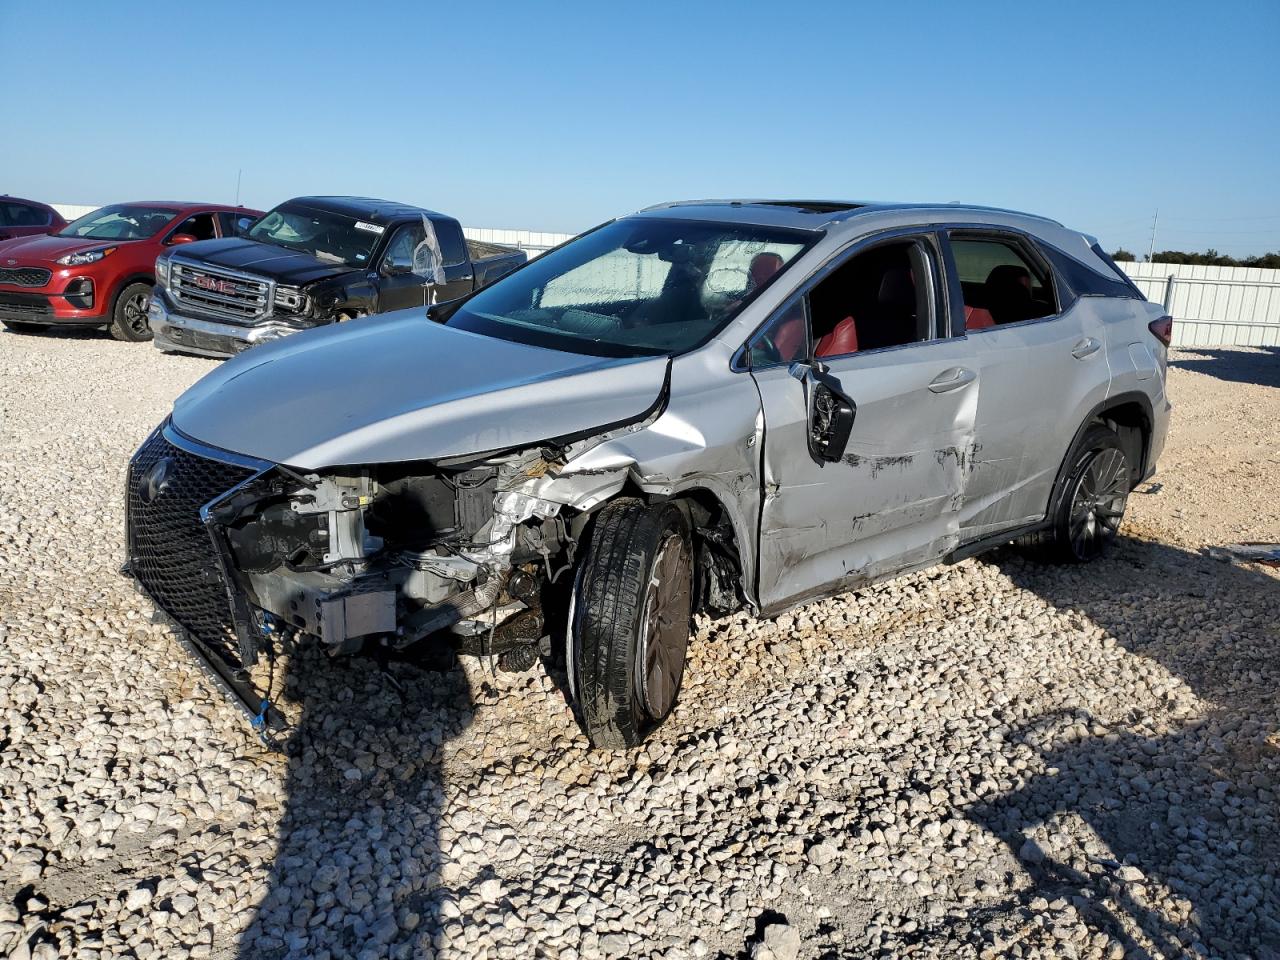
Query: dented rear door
(893, 500)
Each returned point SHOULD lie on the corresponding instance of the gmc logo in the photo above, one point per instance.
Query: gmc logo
(216, 285)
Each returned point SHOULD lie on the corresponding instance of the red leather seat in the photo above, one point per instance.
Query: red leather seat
(763, 267)
(789, 339)
(841, 340)
(975, 318)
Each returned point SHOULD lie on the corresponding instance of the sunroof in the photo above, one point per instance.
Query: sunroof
(813, 206)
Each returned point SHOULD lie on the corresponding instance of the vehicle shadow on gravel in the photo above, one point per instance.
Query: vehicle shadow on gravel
(1185, 808)
(1260, 366)
(358, 855)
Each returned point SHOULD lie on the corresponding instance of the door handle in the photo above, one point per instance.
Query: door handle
(1086, 348)
(952, 379)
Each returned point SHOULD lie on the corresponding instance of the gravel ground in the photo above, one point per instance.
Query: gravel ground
(990, 759)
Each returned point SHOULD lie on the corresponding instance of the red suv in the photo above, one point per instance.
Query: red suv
(98, 271)
(26, 218)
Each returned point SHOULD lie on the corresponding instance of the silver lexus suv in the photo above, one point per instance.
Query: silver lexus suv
(703, 406)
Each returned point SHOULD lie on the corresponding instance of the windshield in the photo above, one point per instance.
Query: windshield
(331, 237)
(122, 221)
(636, 287)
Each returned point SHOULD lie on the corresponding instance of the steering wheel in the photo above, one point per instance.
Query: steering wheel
(764, 350)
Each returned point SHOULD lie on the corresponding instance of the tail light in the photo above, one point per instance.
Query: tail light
(1162, 329)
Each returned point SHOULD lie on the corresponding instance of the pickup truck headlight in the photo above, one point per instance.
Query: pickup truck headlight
(291, 299)
(88, 256)
(162, 270)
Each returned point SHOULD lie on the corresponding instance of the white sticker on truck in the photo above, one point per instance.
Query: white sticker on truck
(371, 227)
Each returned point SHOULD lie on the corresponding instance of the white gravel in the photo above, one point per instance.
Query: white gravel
(991, 759)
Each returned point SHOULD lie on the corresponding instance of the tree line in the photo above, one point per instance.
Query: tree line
(1210, 258)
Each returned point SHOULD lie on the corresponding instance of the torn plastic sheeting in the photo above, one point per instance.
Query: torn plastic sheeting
(428, 261)
(1267, 554)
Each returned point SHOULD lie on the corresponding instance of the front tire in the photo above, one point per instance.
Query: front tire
(1091, 506)
(629, 625)
(129, 317)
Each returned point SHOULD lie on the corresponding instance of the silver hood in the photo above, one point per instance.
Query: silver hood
(399, 387)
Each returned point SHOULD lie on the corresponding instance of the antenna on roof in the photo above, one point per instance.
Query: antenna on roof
(238, 172)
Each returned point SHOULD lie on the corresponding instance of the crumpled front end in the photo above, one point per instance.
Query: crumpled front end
(239, 552)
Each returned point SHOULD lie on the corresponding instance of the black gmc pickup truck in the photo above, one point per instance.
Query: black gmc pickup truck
(313, 261)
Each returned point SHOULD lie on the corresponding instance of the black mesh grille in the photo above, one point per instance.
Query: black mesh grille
(25, 276)
(170, 551)
(25, 305)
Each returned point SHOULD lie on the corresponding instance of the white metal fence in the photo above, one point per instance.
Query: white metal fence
(1214, 306)
(532, 241)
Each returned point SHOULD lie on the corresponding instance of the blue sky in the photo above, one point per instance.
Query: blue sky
(556, 116)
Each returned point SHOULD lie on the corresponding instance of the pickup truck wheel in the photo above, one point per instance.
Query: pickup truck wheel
(18, 326)
(129, 318)
(629, 624)
(1091, 505)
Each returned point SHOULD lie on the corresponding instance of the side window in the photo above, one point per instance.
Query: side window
(398, 259)
(21, 215)
(1000, 283)
(452, 245)
(877, 298)
(234, 224)
(1088, 281)
(198, 225)
(783, 340)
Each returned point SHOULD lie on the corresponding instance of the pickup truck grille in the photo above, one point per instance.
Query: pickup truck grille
(25, 276)
(170, 550)
(225, 293)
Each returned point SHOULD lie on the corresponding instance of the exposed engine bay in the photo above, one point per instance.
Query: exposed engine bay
(397, 553)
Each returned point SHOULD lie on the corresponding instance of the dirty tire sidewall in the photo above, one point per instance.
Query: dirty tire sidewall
(609, 604)
(125, 322)
(1054, 545)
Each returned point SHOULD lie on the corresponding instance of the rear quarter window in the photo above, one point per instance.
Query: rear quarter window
(453, 247)
(1085, 281)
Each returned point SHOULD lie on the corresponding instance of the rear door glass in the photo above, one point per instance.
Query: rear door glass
(22, 215)
(1000, 283)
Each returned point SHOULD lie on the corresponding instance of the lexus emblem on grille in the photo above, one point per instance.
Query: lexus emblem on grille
(216, 285)
(11, 262)
(156, 480)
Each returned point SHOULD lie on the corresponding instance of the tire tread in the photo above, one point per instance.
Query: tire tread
(608, 612)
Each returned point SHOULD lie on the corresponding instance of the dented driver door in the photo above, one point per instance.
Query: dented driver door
(891, 499)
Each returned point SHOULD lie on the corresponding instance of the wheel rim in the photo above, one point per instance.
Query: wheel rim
(1097, 504)
(135, 313)
(664, 632)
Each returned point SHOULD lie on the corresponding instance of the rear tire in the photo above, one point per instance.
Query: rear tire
(1090, 508)
(20, 326)
(129, 317)
(629, 623)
